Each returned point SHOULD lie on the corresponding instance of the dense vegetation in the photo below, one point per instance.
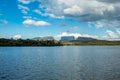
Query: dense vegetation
(97, 42)
(30, 42)
(27, 42)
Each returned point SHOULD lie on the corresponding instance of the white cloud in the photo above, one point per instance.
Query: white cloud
(112, 35)
(98, 11)
(23, 9)
(101, 12)
(84, 10)
(69, 34)
(54, 16)
(17, 37)
(118, 31)
(26, 1)
(50, 15)
(76, 35)
(73, 11)
(30, 22)
(27, 17)
(91, 24)
(37, 11)
(75, 8)
(107, 23)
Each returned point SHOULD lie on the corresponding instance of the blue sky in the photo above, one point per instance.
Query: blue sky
(85, 18)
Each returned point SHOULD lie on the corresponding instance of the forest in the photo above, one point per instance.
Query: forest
(27, 42)
(30, 42)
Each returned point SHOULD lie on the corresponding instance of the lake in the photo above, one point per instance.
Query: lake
(60, 63)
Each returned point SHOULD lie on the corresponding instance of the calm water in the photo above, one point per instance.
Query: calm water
(60, 63)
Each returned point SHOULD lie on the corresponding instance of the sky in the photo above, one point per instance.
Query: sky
(80, 18)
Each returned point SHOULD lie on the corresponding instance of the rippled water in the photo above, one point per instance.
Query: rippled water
(60, 63)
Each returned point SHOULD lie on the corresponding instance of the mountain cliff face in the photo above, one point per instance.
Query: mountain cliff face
(44, 38)
(67, 38)
(83, 39)
(72, 38)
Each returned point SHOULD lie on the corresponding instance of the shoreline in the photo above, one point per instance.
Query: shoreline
(53, 43)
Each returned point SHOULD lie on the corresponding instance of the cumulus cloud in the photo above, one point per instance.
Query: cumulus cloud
(112, 35)
(110, 1)
(17, 37)
(107, 23)
(30, 22)
(73, 11)
(84, 10)
(26, 1)
(101, 12)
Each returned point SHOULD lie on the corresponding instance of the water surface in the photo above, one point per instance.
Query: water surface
(60, 63)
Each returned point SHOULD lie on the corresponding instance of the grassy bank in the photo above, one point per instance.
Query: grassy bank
(29, 42)
(98, 43)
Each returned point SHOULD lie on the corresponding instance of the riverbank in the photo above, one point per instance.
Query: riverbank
(29, 42)
(97, 43)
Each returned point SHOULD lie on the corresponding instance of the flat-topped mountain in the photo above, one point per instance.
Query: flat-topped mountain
(67, 38)
(72, 38)
(83, 39)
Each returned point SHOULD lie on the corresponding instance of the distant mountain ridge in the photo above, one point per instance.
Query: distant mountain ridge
(72, 38)
(84, 39)
(67, 38)
(49, 42)
(44, 38)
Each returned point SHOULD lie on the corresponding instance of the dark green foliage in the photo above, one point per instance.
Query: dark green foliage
(85, 39)
(27, 42)
(30, 42)
(97, 42)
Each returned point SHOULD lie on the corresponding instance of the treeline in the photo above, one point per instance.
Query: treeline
(97, 43)
(28, 42)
